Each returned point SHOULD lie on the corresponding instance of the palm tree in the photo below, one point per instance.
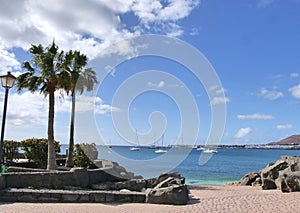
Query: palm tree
(80, 78)
(44, 73)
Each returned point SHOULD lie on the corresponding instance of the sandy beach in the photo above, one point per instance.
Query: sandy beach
(203, 199)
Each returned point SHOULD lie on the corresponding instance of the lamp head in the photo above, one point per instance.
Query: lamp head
(8, 80)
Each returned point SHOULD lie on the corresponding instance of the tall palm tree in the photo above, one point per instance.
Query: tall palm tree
(81, 78)
(44, 73)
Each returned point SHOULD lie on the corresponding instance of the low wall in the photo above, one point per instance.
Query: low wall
(77, 177)
(57, 196)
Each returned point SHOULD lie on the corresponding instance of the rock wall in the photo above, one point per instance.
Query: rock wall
(110, 181)
(284, 174)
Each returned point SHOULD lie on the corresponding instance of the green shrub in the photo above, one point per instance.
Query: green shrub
(36, 150)
(10, 150)
(85, 154)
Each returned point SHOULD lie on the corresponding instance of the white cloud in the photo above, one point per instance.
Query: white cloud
(294, 75)
(284, 126)
(161, 84)
(8, 61)
(242, 132)
(219, 95)
(163, 15)
(87, 103)
(219, 100)
(255, 116)
(295, 91)
(28, 108)
(33, 22)
(270, 94)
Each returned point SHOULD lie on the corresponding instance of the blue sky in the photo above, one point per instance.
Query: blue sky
(252, 45)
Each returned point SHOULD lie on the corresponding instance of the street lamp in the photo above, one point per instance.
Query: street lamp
(7, 82)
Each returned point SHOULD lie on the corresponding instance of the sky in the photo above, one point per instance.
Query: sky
(250, 47)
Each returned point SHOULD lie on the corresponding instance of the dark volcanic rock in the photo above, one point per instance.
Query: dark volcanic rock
(176, 194)
(248, 179)
(290, 182)
(268, 184)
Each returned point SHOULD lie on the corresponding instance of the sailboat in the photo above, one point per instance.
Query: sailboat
(209, 150)
(136, 148)
(159, 151)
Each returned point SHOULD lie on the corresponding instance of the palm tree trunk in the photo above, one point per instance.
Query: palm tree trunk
(69, 161)
(51, 161)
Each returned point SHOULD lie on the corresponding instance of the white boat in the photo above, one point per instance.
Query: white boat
(159, 151)
(201, 148)
(210, 150)
(136, 148)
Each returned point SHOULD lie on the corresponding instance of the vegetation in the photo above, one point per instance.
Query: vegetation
(80, 78)
(10, 150)
(35, 150)
(50, 70)
(85, 154)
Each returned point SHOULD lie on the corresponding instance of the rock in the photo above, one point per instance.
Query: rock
(268, 184)
(151, 182)
(290, 182)
(165, 175)
(257, 182)
(169, 182)
(132, 185)
(81, 176)
(102, 186)
(176, 195)
(248, 179)
(272, 172)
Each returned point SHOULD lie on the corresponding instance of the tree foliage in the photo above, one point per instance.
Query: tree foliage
(85, 154)
(10, 150)
(36, 150)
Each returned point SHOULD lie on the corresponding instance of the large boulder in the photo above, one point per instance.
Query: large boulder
(175, 194)
(272, 171)
(290, 182)
(114, 169)
(249, 179)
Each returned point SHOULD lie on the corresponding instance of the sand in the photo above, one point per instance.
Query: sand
(203, 199)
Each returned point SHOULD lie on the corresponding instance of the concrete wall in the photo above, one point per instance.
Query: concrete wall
(77, 177)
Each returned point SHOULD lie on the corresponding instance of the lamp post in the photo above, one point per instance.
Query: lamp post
(7, 82)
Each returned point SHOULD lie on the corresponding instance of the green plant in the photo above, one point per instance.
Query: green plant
(85, 154)
(10, 150)
(36, 150)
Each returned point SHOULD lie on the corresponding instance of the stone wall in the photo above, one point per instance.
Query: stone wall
(110, 184)
(77, 177)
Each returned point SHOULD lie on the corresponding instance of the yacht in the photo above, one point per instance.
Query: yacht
(209, 150)
(136, 148)
(159, 151)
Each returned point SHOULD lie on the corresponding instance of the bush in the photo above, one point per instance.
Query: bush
(10, 150)
(85, 154)
(36, 150)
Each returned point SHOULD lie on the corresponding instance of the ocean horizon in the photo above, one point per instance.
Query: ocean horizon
(228, 165)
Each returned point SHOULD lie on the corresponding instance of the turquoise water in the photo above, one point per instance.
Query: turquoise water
(228, 165)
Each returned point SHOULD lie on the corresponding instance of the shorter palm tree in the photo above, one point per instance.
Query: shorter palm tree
(80, 78)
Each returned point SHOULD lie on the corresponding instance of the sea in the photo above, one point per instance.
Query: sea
(227, 165)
